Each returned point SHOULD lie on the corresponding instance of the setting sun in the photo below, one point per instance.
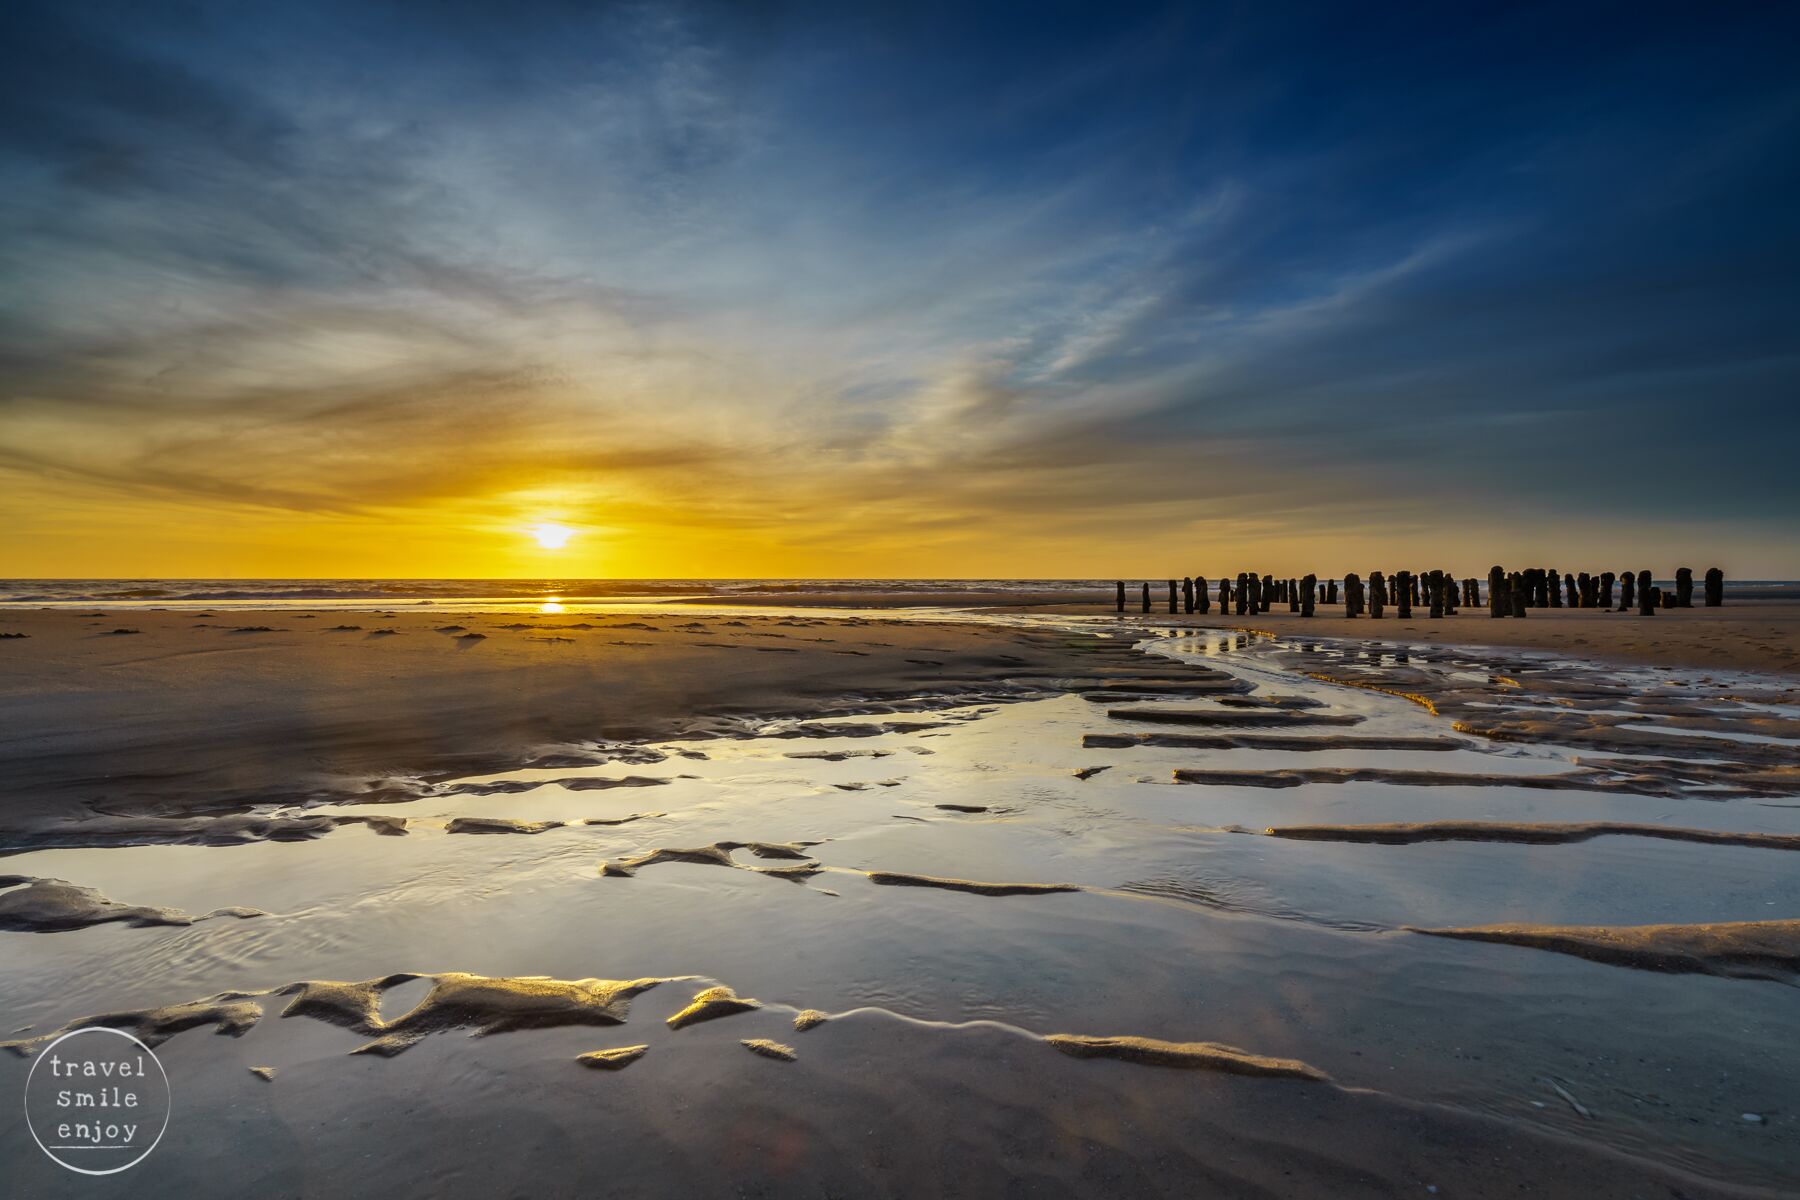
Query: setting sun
(552, 536)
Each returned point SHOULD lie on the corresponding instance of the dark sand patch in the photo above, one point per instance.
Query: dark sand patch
(769, 1049)
(615, 1059)
(1403, 833)
(1738, 949)
(719, 855)
(1269, 741)
(228, 1014)
(900, 879)
(1203, 1055)
(1231, 718)
(53, 906)
(500, 825)
(578, 783)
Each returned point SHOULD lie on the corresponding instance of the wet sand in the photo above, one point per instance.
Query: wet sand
(185, 711)
(1759, 636)
(1182, 912)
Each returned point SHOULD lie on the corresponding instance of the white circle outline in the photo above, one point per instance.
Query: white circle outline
(32, 1074)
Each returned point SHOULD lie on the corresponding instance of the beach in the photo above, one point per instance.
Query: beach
(802, 900)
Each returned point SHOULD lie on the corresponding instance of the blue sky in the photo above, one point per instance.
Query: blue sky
(965, 289)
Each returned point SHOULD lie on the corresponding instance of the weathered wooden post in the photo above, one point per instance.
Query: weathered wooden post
(1291, 590)
(1403, 594)
(1121, 595)
(1574, 594)
(1684, 587)
(1256, 594)
(1715, 587)
(1352, 595)
(1224, 596)
(1202, 602)
(1583, 591)
(1499, 602)
(1648, 597)
(1435, 588)
(1267, 594)
(1377, 594)
(1553, 588)
(1516, 583)
(1331, 591)
(1606, 586)
(1172, 609)
(1627, 591)
(1187, 596)
(1243, 593)
(1146, 597)
(1309, 591)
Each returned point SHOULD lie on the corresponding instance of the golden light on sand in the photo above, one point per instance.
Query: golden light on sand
(552, 536)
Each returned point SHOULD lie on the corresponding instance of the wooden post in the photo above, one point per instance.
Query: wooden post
(1352, 595)
(1648, 597)
(1243, 593)
(1627, 591)
(1331, 591)
(1574, 595)
(1516, 584)
(1291, 590)
(1172, 608)
(1715, 587)
(1121, 595)
(1403, 594)
(1606, 586)
(1684, 587)
(1146, 597)
(1553, 583)
(1187, 596)
(1202, 602)
(1224, 596)
(1309, 590)
(1267, 595)
(1499, 603)
(1377, 594)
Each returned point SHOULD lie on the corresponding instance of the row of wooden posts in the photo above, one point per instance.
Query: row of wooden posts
(1509, 594)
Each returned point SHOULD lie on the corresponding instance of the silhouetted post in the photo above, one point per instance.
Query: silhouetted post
(1403, 594)
(1121, 595)
(1377, 594)
(1146, 597)
(1606, 586)
(1574, 596)
(1553, 586)
(1202, 603)
(1331, 591)
(1584, 589)
(1267, 594)
(1449, 594)
(1172, 609)
(1224, 596)
(1648, 597)
(1309, 590)
(1352, 595)
(1187, 596)
(1243, 593)
(1627, 591)
(1435, 588)
(1499, 603)
(1684, 587)
(1517, 586)
(1715, 587)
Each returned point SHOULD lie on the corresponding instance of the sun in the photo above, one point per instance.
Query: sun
(552, 536)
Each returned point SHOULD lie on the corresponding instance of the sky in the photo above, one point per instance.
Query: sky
(886, 290)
